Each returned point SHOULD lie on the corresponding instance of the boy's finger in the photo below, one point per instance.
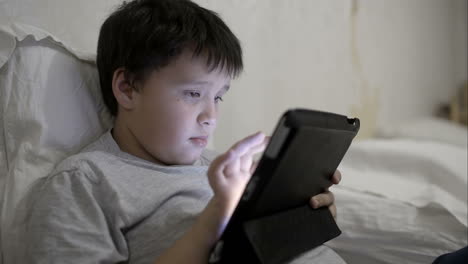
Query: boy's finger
(336, 178)
(324, 199)
(260, 147)
(232, 168)
(246, 163)
(247, 158)
(256, 149)
(220, 162)
(245, 146)
(333, 210)
(241, 147)
(253, 167)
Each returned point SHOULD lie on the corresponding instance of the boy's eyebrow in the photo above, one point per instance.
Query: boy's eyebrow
(225, 87)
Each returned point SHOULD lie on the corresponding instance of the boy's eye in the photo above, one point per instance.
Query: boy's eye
(218, 98)
(193, 94)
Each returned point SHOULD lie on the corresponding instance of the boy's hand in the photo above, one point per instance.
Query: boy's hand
(327, 198)
(230, 172)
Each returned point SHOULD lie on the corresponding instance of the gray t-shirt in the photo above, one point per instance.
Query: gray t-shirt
(103, 205)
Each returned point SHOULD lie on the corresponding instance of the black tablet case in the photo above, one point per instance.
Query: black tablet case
(275, 224)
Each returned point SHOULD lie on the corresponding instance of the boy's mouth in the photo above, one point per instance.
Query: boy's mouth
(199, 141)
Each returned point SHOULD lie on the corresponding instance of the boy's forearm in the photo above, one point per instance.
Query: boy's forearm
(195, 245)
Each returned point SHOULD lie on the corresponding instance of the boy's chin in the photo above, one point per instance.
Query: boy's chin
(186, 162)
(189, 159)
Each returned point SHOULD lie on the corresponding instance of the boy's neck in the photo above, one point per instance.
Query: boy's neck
(128, 143)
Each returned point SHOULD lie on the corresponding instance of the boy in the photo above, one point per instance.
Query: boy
(147, 191)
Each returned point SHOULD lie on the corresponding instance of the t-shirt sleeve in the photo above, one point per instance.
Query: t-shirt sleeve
(70, 220)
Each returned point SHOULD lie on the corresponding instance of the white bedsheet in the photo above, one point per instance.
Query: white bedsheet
(418, 172)
(401, 201)
(379, 230)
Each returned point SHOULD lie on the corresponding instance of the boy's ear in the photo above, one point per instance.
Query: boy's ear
(122, 89)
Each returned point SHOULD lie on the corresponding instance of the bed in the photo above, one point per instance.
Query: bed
(403, 198)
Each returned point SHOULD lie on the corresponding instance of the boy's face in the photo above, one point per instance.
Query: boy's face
(176, 109)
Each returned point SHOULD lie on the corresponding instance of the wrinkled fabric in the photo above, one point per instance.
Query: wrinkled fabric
(417, 172)
(40, 80)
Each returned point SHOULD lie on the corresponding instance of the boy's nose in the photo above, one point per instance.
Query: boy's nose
(208, 116)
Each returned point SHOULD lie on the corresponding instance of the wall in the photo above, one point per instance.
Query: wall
(381, 60)
(461, 41)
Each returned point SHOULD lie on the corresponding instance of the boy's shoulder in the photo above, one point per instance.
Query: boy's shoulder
(92, 155)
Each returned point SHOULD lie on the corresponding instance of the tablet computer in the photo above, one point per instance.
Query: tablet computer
(273, 221)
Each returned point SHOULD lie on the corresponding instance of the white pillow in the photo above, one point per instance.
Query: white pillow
(50, 107)
(7, 43)
(429, 128)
